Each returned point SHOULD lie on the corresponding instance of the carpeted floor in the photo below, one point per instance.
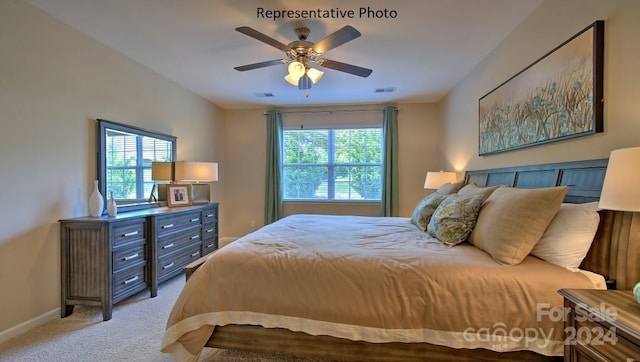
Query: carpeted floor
(133, 334)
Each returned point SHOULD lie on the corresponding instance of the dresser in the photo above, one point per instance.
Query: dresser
(601, 325)
(107, 259)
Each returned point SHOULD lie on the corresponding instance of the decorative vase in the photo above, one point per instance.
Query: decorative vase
(636, 292)
(112, 206)
(96, 202)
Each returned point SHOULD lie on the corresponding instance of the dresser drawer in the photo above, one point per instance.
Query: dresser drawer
(173, 264)
(592, 338)
(168, 224)
(129, 232)
(209, 246)
(127, 257)
(170, 243)
(209, 231)
(210, 215)
(128, 281)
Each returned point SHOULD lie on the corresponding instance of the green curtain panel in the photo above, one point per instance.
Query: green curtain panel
(390, 162)
(273, 184)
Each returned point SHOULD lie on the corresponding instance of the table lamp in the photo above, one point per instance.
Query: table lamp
(197, 172)
(621, 192)
(161, 171)
(621, 188)
(436, 179)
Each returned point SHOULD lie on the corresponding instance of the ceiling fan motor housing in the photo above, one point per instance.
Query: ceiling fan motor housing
(302, 33)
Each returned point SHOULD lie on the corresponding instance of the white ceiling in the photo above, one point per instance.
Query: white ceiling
(423, 53)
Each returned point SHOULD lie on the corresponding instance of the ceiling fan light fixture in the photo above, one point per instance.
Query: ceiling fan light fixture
(314, 74)
(292, 79)
(296, 69)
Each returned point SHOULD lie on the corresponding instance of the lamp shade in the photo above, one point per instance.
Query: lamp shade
(621, 190)
(162, 171)
(296, 69)
(314, 74)
(292, 79)
(436, 179)
(196, 171)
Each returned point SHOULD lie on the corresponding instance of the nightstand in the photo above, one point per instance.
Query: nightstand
(601, 325)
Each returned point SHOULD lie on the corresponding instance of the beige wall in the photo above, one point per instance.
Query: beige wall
(550, 25)
(245, 137)
(54, 82)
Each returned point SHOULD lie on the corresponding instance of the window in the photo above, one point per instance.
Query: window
(332, 164)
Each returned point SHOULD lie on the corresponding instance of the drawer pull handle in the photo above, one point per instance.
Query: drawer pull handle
(194, 220)
(168, 266)
(127, 258)
(209, 246)
(194, 254)
(195, 237)
(168, 246)
(168, 226)
(131, 280)
(210, 230)
(132, 233)
(209, 215)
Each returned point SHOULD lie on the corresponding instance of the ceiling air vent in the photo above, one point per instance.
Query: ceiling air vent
(264, 95)
(385, 90)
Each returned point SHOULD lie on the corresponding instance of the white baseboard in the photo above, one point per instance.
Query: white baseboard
(29, 325)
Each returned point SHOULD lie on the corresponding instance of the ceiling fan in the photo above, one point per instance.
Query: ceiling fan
(301, 54)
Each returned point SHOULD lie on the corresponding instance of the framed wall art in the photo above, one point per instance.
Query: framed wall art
(559, 96)
(178, 195)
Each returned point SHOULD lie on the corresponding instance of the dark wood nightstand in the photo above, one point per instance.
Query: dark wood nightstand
(601, 325)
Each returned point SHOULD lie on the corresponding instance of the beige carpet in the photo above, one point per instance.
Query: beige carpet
(133, 334)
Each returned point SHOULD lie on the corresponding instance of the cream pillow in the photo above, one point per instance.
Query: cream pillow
(512, 221)
(473, 189)
(568, 238)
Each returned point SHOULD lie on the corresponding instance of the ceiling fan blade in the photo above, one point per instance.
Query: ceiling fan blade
(340, 37)
(268, 63)
(344, 67)
(263, 38)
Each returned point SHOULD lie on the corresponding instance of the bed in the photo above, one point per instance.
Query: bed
(366, 288)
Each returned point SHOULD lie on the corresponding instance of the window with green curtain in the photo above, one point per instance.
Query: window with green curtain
(332, 164)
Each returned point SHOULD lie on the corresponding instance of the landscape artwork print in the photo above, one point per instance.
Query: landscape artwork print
(557, 97)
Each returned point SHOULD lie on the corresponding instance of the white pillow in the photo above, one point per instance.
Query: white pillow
(568, 238)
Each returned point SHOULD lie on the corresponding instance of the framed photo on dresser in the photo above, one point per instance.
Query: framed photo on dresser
(178, 195)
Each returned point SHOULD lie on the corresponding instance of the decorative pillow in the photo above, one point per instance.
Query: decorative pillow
(512, 221)
(455, 217)
(450, 187)
(473, 189)
(568, 238)
(425, 208)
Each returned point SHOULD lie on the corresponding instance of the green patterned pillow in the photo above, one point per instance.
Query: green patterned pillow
(455, 218)
(425, 208)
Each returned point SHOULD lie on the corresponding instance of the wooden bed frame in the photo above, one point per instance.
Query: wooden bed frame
(611, 255)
